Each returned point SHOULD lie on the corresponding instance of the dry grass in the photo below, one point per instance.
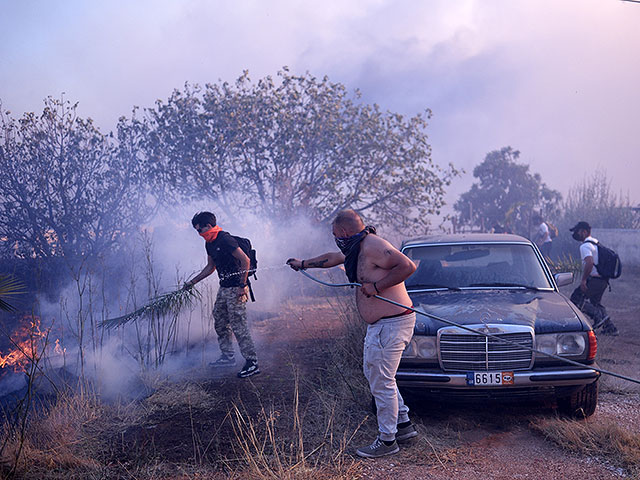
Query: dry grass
(298, 429)
(309, 436)
(67, 438)
(343, 377)
(58, 437)
(602, 438)
(171, 396)
(275, 446)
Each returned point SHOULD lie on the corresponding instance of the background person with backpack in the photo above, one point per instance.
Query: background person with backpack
(225, 254)
(544, 235)
(593, 283)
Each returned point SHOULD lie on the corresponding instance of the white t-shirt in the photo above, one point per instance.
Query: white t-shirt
(543, 233)
(590, 250)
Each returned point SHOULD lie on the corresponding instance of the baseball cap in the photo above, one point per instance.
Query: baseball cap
(580, 226)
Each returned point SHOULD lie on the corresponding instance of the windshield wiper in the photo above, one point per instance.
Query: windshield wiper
(434, 286)
(505, 284)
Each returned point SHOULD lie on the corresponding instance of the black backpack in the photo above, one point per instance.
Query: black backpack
(609, 265)
(245, 246)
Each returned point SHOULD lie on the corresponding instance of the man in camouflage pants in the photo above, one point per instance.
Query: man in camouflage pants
(230, 315)
(230, 309)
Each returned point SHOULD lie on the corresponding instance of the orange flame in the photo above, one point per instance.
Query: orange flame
(58, 350)
(25, 342)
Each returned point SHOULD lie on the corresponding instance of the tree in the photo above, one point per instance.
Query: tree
(67, 189)
(295, 145)
(505, 194)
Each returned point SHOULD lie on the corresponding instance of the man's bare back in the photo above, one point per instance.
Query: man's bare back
(377, 260)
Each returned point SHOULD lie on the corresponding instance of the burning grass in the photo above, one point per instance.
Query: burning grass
(26, 342)
(602, 438)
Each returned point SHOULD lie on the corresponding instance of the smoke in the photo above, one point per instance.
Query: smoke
(126, 362)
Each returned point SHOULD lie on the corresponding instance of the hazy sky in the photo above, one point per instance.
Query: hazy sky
(558, 80)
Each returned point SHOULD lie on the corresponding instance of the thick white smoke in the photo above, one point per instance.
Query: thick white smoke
(123, 362)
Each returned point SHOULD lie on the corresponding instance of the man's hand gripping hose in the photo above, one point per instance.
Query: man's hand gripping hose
(477, 332)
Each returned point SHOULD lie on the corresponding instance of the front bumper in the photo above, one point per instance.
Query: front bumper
(543, 377)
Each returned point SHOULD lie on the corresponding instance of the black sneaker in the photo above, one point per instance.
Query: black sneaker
(406, 433)
(223, 361)
(608, 328)
(250, 368)
(378, 449)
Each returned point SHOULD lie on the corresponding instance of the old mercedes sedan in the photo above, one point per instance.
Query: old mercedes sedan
(499, 285)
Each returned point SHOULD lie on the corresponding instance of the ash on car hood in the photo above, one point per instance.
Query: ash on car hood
(546, 312)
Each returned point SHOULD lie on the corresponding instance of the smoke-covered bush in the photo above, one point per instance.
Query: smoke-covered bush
(289, 146)
(67, 189)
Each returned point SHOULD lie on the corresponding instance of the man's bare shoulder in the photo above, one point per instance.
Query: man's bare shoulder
(375, 245)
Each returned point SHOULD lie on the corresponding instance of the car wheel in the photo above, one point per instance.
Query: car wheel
(581, 404)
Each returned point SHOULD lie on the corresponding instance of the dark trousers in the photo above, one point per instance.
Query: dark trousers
(589, 302)
(545, 249)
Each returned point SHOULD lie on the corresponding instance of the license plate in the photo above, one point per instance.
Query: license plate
(487, 379)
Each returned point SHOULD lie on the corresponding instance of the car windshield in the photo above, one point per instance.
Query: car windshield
(479, 265)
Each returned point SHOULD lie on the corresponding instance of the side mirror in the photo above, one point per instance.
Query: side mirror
(563, 279)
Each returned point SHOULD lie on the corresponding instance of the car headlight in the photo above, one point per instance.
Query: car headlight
(411, 351)
(421, 347)
(561, 343)
(570, 344)
(547, 344)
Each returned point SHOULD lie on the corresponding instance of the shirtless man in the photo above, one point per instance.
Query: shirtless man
(381, 269)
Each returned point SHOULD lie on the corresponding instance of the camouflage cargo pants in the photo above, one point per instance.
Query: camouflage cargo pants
(230, 315)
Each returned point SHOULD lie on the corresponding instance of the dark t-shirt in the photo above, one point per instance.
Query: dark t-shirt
(228, 267)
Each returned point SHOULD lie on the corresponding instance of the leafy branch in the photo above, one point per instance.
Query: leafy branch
(171, 303)
(9, 287)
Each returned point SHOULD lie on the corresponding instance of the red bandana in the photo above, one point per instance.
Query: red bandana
(211, 234)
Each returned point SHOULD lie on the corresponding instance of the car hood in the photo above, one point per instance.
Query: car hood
(546, 312)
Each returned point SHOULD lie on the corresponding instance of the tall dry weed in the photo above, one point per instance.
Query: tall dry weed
(284, 442)
(56, 436)
(602, 438)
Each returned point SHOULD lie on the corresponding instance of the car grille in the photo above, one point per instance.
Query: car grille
(469, 352)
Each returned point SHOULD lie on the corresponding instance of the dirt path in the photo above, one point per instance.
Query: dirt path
(496, 444)
(514, 454)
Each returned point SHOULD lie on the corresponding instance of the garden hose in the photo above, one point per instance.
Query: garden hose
(463, 327)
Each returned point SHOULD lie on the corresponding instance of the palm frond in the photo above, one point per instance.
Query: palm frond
(165, 304)
(9, 287)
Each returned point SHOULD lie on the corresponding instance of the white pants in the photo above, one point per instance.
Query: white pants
(383, 346)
